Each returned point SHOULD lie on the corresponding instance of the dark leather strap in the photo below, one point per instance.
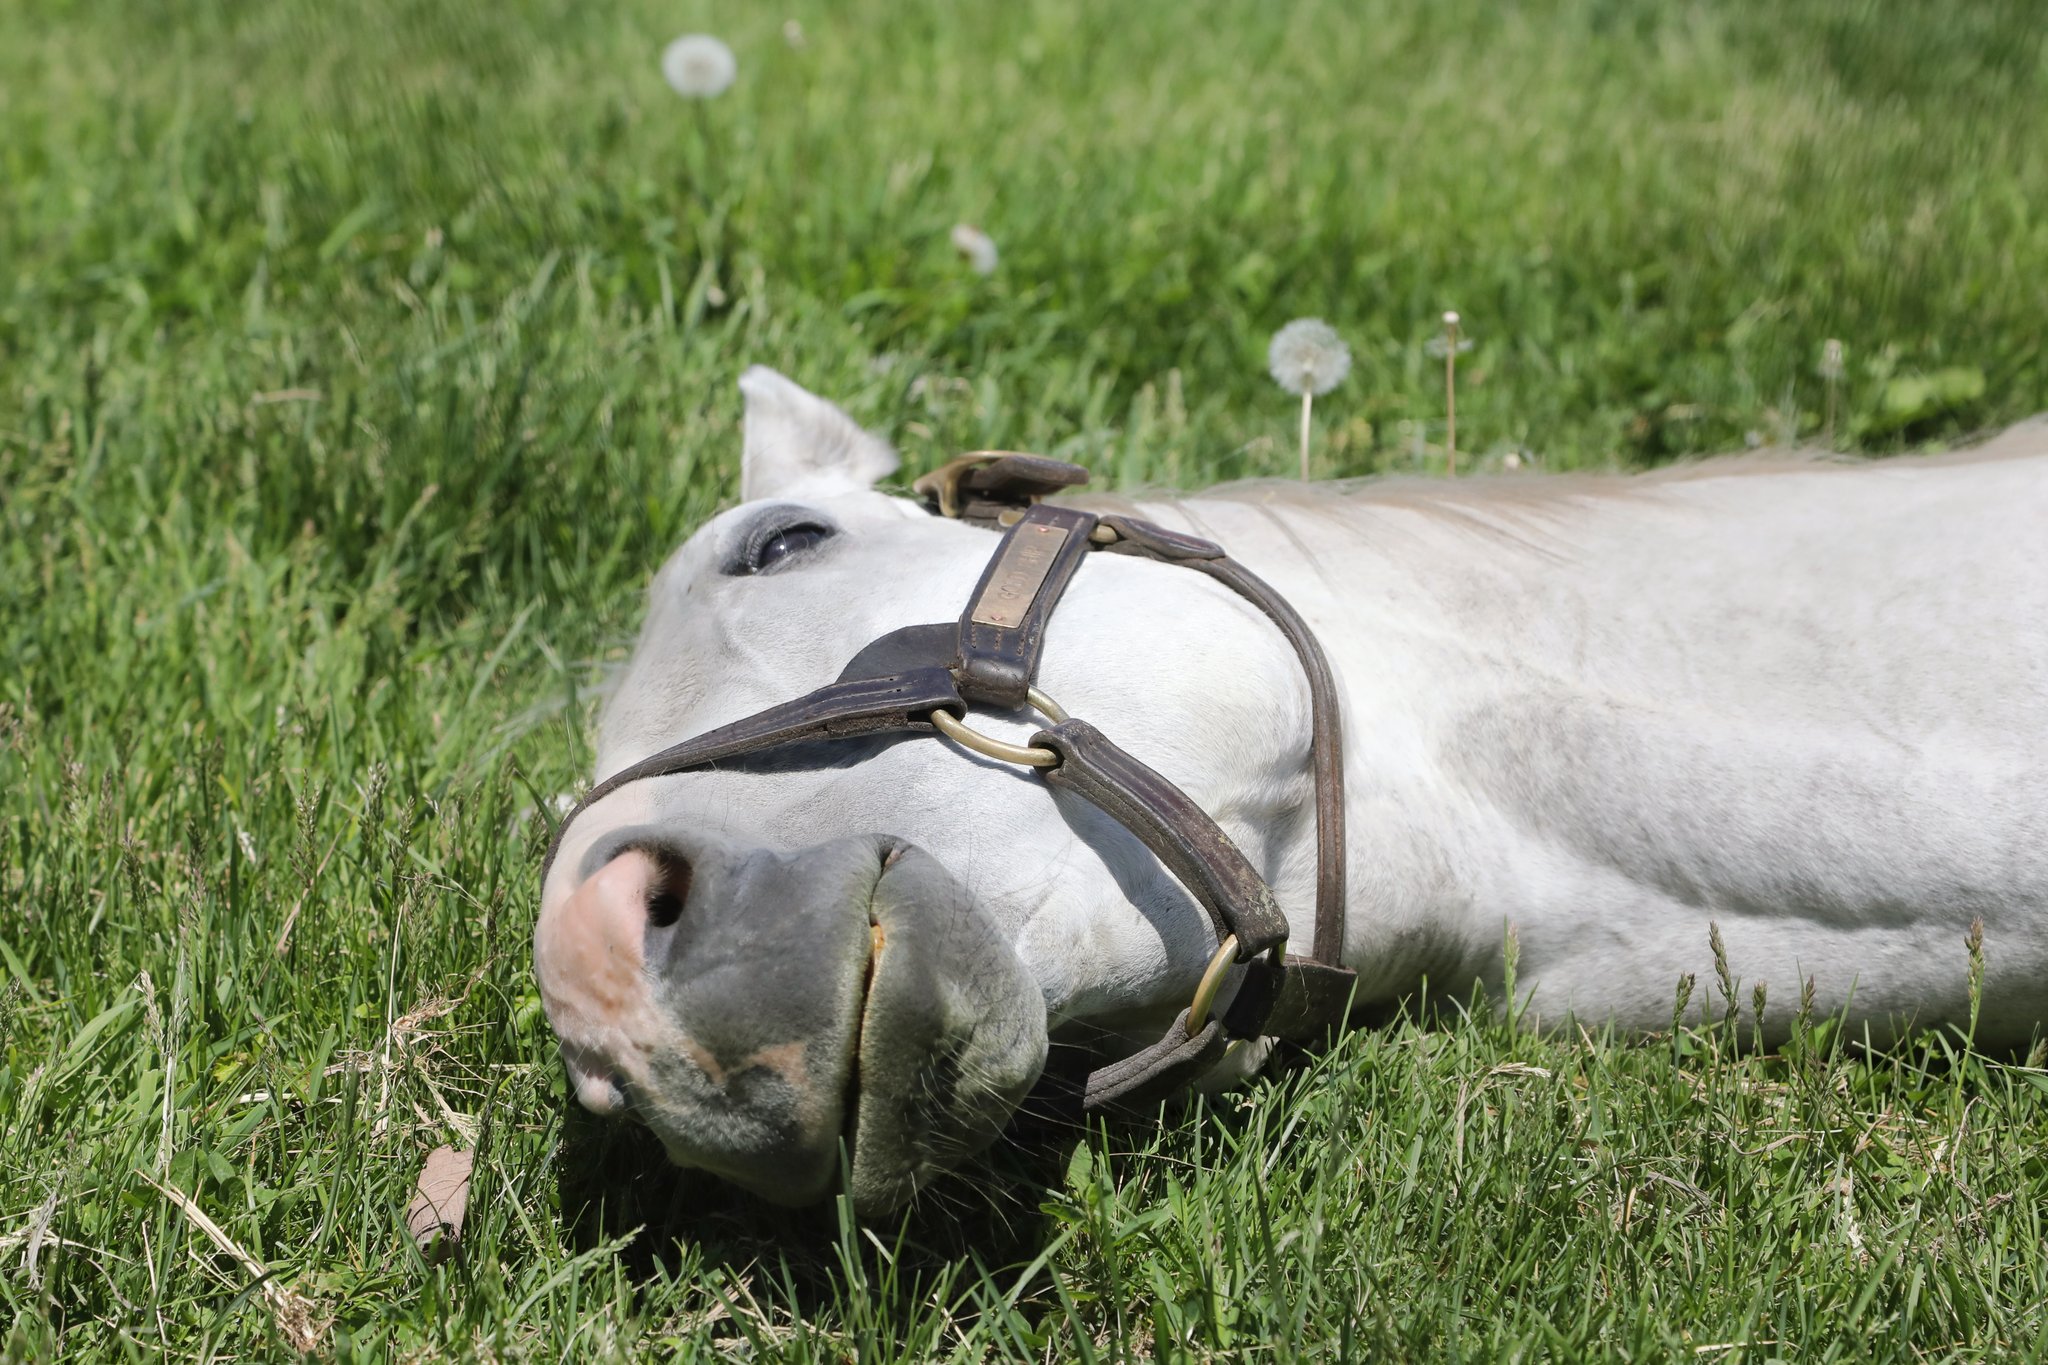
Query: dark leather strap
(842, 710)
(984, 486)
(1315, 997)
(1156, 542)
(1179, 1058)
(1173, 1063)
(1312, 999)
(1326, 745)
(1193, 847)
(1003, 628)
(1259, 988)
(902, 650)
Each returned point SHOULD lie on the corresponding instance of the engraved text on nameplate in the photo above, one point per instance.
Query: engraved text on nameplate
(1026, 561)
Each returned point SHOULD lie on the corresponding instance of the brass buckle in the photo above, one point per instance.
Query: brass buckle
(1019, 480)
(942, 485)
(1212, 981)
(1028, 755)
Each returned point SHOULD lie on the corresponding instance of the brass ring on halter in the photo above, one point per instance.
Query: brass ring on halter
(1029, 755)
(1212, 981)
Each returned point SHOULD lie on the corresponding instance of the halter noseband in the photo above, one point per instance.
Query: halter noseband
(922, 679)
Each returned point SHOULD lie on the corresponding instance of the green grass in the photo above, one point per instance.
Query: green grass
(358, 363)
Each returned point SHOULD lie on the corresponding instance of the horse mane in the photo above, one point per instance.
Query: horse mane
(1524, 506)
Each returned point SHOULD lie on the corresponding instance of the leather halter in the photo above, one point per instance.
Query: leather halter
(990, 657)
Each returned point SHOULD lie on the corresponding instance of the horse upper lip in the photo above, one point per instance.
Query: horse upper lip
(849, 1119)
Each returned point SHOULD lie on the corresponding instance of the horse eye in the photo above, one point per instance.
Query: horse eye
(782, 543)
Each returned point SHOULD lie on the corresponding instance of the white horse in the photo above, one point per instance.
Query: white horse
(1806, 701)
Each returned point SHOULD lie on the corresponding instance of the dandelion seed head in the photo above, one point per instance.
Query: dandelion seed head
(698, 66)
(977, 246)
(1307, 356)
(1831, 359)
(1450, 317)
(793, 34)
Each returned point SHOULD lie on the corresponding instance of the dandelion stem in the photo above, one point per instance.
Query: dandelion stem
(1307, 398)
(1451, 414)
(1831, 371)
(1451, 394)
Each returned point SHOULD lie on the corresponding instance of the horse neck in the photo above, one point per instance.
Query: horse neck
(1550, 688)
(1397, 593)
(1575, 698)
(1419, 593)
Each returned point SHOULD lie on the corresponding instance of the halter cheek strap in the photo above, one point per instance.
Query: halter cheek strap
(921, 680)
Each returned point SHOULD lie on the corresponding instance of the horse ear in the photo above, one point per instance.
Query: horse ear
(798, 444)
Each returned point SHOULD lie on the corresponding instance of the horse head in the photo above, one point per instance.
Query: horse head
(872, 945)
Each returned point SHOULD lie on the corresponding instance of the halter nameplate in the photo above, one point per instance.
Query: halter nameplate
(1026, 560)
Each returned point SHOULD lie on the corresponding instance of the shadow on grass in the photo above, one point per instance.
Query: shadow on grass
(614, 1178)
(1007, 1205)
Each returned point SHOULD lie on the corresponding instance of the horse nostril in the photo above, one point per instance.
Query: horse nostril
(667, 889)
(601, 1092)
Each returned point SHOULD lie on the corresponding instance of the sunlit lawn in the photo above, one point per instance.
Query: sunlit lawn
(359, 363)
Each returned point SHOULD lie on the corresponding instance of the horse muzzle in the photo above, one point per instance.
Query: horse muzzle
(757, 1009)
